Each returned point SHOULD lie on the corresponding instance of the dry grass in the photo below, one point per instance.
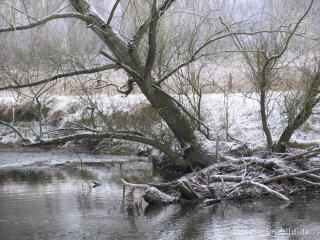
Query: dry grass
(25, 112)
(288, 78)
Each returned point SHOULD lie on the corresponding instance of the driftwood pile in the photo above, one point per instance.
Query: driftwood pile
(244, 177)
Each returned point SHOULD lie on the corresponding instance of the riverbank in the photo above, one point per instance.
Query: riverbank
(43, 200)
(237, 140)
(230, 115)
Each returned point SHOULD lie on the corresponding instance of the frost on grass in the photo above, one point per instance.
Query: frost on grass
(238, 115)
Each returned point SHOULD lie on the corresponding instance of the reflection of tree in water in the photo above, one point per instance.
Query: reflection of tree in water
(30, 176)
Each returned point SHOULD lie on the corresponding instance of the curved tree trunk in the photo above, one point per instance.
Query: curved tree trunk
(127, 57)
(310, 101)
(298, 121)
(181, 127)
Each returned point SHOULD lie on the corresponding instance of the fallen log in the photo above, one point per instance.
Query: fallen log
(269, 190)
(211, 201)
(187, 192)
(156, 197)
(260, 185)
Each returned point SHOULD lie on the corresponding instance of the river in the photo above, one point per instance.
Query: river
(48, 196)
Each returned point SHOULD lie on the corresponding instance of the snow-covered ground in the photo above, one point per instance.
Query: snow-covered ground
(243, 115)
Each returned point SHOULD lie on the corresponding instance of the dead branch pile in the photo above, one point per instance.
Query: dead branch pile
(233, 178)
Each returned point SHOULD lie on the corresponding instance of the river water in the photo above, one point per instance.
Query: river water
(47, 196)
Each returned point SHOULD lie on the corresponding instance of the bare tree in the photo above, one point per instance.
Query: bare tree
(148, 63)
(127, 54)
(304, 108)
(262, 53)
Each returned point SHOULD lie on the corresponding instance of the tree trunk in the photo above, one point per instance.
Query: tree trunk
(181, 127)
(126, 54)
(310, 101)
(264, 118)
(298, 121)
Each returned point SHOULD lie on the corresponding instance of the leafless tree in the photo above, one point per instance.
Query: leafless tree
(144, 51)
(263, 53)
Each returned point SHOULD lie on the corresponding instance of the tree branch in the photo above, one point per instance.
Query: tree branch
(144, 27)
(152, 46)
(61, 75)
(18, 10)
(129, 84)
(43, 21)
(194, 56)
(112, 12)
(269, 190)
(275, 57)
(15, 130)
(291, 175)
(122, 65)
(115, 135)
(192, 59)
(119, 47)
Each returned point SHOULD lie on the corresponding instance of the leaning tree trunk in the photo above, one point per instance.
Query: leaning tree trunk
(180, 125)
(297, 122)
(127, 57)
(311, 100)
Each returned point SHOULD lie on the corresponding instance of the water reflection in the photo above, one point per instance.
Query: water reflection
(55, 202)
(29, 176)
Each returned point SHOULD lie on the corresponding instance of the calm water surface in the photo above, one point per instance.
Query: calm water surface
(47, 196)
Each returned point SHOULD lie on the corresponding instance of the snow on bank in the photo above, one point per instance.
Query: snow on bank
(244, 119)
(235, 112)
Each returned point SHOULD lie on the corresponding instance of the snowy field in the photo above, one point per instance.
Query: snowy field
(239, 111)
